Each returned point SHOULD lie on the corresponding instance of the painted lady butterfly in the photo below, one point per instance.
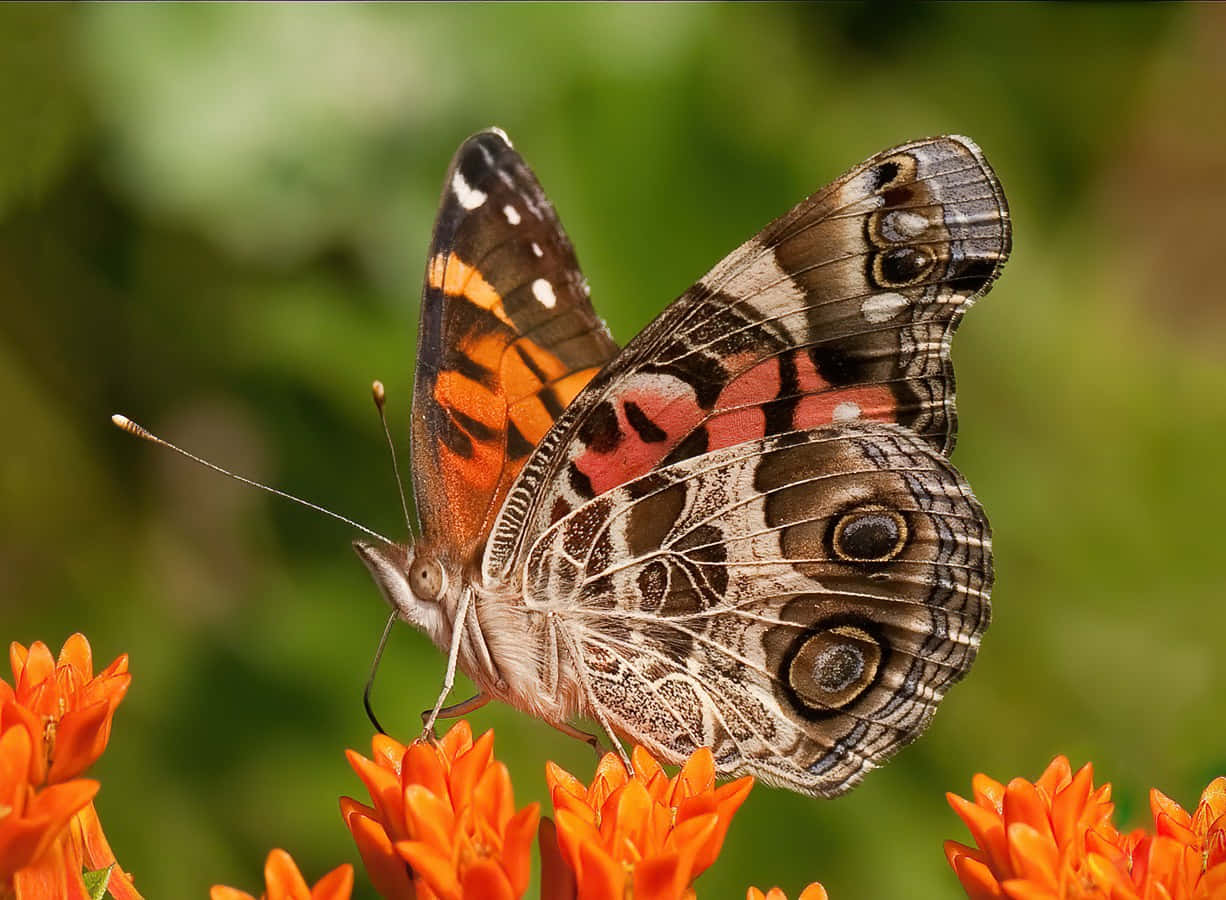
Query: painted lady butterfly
(740, 531)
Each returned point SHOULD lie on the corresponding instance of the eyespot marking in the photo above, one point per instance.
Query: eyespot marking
(902, 265)
(870, 534)
(832, 666)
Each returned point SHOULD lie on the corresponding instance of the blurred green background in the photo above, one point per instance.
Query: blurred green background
(214, 219)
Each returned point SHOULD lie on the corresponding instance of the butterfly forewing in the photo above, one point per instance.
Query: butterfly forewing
(840, 310)
(799, 603)
(507, 339)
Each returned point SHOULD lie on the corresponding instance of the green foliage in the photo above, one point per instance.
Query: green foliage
(214, 218)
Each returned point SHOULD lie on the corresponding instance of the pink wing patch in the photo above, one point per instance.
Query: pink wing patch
(653, 414)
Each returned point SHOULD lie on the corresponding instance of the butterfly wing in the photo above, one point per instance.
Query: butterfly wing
(507, 338)
(840, 310)
(798, 603)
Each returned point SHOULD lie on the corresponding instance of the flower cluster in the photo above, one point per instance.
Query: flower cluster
(55, 721)
(442, 823)
(642, 835)
(1054, 839)
(283, 881)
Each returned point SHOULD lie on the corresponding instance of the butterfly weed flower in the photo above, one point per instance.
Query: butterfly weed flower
(442, 823)
(1054, 839)
(283, 881)
(813, 892)
(642, 835)
(55, 721)
(66, 709)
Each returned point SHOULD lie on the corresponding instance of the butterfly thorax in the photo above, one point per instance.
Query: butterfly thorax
(510, 651)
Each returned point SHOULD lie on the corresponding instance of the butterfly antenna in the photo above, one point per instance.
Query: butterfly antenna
(374, 668)
(380, 397)
(126, 424)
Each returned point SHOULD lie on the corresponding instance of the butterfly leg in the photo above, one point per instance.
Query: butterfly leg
(590, 739)
(453, 655)
(455, 710)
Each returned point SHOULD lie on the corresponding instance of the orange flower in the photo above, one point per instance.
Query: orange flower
(642, 835)
(813, 892)
(283, 881)
(1054, 839)
(57, 874)
(31, 821)
(65, 709)
(447, 810)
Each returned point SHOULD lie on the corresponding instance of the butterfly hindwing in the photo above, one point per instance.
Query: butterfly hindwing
(840, 310)
(798, 603)
(507, 338)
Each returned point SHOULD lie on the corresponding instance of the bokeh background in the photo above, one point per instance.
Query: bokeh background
(214, 219)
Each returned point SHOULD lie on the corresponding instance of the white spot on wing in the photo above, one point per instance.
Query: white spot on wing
(542, 290)
(878, 308)
(536, 249)
(847, 411)
(511, 213)
(469, 197)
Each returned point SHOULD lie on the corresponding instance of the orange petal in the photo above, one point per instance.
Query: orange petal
(423, 765)
(17, 716)
(430, 818)
(81, 737)
(599, 876)
(336, 885)
(221, 892)
(432, 867)
(39, 665)
(1024, 804)
(76, 653)
(516, 855)
(624, 816)
(696, 776)
(1069, 805)
(988, 793)
(558, 778)
(493, 798)
(385, 793)
(484, 880)
(813, 892)
(728, 799)
(661, 878)
(1057, 774)
(468, 767)
(1033, 855)
(988, 831)
(1019, 889)
(574, 832)
(977, 879)
(282, 878)
(387, 752)
(384, 867)
(458, 739)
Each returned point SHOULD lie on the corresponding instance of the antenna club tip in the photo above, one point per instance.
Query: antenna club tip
(121, 421)
(377, 391)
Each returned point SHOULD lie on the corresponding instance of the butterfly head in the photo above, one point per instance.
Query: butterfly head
(415, 583)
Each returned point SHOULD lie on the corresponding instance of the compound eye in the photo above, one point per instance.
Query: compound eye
(426, 578)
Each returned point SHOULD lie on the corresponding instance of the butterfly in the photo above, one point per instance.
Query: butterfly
(740, 531)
